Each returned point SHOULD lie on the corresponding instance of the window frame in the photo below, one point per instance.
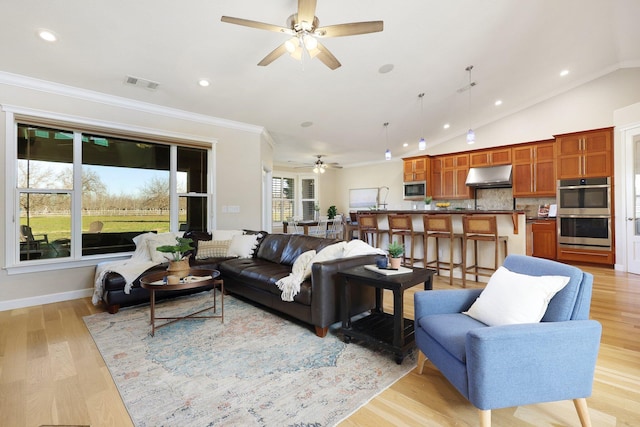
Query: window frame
(15, 115)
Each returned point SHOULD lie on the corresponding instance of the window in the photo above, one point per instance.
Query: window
(283, 199)
(81, 193)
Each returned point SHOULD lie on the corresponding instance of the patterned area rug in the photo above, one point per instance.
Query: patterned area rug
(256, 369)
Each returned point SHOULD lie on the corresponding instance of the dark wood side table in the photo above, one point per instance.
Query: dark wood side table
(391, 331)
(154, 282)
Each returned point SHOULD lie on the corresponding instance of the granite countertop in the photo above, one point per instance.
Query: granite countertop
(448, 211)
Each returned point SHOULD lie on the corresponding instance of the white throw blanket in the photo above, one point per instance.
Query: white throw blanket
(290, 285)
(129, 269)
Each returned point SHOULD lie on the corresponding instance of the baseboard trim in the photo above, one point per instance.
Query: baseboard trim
(45, 299)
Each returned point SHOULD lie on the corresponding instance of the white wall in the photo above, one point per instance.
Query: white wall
(240, 150)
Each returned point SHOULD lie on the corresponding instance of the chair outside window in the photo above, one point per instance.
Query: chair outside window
(96, 227)
(34, 244)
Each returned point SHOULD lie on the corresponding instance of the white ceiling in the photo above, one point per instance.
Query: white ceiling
(517, 48)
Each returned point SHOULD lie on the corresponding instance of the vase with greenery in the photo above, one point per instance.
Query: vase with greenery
(332, 211)
(395, 250)
(427, 202)
(178, 262)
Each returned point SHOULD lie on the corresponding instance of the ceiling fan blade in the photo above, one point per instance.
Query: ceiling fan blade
(327, 57)
(256, 24)
(351, 29)
(306, 10)
(275, 54)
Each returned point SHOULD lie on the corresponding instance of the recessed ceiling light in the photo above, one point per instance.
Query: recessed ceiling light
(385, 68)
(47, 35)
(306, 124)
(498, 103)
(406, 144)
(446, 126)
(204, 82)
(564, 73)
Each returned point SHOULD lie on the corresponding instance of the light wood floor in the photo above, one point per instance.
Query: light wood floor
(52, 373)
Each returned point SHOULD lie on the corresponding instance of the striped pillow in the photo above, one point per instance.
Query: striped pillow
(212, 249)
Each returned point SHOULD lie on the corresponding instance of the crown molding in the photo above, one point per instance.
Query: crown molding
(121, 102)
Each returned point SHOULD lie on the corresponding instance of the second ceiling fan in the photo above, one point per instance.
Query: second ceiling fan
(305, 31)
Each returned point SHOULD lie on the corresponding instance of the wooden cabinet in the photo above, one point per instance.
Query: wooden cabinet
(493, 157)
(543, 238)
(448, 176)
(585, 154)
(534, 169)
(585, 255)
(415, 169)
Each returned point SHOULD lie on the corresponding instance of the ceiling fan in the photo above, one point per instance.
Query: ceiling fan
(319, 166)
(305, 31)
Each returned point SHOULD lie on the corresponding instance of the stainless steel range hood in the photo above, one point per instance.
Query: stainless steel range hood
(490, 177)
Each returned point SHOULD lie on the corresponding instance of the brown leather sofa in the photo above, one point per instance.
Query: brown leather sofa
(317, 303)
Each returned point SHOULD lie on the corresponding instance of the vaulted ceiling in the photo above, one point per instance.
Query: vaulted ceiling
(517, 48)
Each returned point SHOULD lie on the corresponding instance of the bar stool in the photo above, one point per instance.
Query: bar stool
(440, 227)
(368, 229)
(480, 228)
(402, 225)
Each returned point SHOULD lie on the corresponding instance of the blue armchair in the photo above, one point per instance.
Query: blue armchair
(503, 366)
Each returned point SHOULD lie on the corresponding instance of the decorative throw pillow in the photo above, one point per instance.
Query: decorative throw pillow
(160, 239)
(225, 234)
(243, 246)
(511, 298)
(212, 248)
(328, 253)
(142, 249)
(357, 247)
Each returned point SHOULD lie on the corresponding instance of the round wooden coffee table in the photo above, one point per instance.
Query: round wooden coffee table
(154, 282)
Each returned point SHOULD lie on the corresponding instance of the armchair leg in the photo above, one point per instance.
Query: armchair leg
(583, 411)
(485, 417)
(421, 361)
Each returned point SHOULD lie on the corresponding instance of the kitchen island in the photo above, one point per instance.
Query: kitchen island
(511, 223)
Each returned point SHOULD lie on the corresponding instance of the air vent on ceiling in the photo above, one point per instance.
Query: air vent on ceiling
(143, 83)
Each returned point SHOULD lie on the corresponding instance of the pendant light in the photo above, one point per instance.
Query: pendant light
(387, 154)
(471, 135)
(422, 144)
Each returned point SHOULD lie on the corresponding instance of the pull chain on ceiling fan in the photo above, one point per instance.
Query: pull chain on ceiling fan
(305, 31)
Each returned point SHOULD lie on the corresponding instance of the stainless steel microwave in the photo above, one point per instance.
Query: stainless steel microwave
(414, 190)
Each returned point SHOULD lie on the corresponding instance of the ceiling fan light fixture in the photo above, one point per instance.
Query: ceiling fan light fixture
(292, 44)
(310, 42)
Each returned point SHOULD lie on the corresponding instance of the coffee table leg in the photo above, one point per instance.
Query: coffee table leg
(153, 314)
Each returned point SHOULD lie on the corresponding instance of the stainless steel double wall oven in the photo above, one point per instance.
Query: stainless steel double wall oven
(584, 213)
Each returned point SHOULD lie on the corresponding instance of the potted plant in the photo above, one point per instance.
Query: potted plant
(395, 250)
(427, 203)
(332, 211)
(178, 262)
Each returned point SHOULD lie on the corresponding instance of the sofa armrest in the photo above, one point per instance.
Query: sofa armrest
(443, 301)
(324, 287)
(528, 363)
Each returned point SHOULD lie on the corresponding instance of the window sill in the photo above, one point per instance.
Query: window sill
(57, 264)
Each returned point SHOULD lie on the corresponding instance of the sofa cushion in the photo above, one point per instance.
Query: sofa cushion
(255, 272)
(299, 244)
(450, 330)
